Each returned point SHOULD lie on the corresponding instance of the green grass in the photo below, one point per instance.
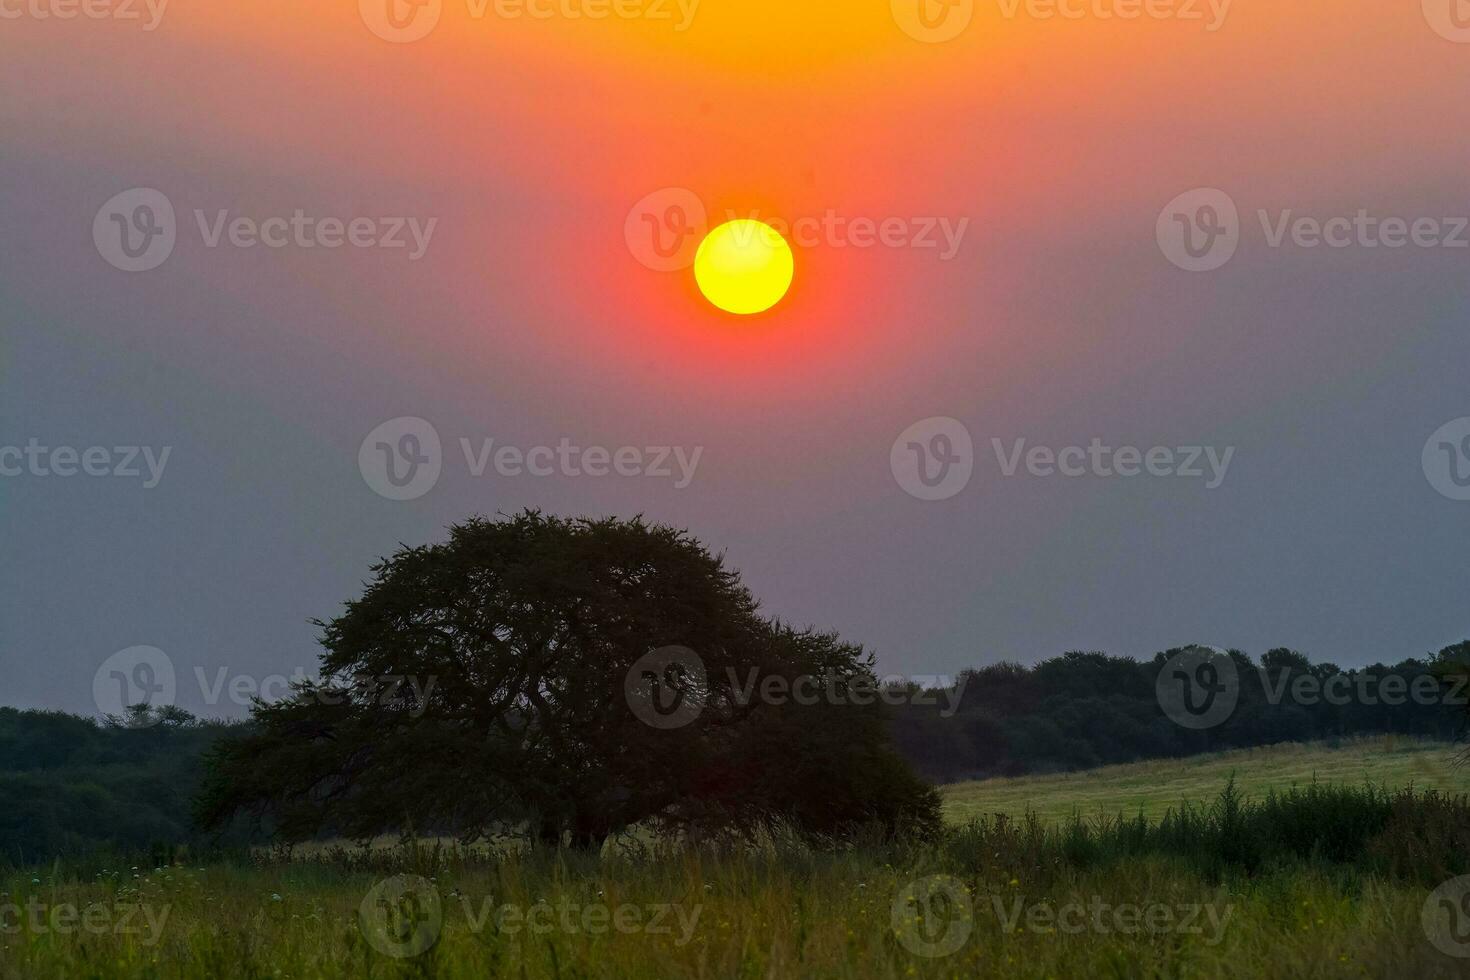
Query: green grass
(786, 910)
(1154, 787)
(753, 918)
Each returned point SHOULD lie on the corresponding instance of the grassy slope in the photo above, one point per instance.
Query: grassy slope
(1154, 787)
(786, 915)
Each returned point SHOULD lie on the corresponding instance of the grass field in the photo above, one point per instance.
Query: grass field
(1153, 787)
(821, 917)
(999, 899)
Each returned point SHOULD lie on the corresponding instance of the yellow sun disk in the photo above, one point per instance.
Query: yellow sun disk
(744, 267)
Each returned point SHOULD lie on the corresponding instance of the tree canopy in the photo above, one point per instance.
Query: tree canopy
(503, 677)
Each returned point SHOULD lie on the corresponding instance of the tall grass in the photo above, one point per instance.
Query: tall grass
(1319, 881)
(1420, 836)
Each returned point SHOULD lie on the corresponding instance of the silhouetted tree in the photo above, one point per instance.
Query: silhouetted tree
(486, 680)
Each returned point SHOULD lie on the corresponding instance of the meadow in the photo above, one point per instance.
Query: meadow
(1324, 880)
(1154, 787)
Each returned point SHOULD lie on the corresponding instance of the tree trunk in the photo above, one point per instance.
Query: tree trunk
(549, 832)
(590, 834)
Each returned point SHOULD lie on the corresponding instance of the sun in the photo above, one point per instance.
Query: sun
(744, 267)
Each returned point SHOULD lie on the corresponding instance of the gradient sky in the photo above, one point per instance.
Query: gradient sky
(530, 320)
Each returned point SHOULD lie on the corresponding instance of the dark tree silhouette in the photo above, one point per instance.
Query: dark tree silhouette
(485, 682)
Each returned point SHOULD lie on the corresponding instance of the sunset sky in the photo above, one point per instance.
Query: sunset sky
(531, 316)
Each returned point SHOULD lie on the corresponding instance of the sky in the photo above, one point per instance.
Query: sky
(251, 256)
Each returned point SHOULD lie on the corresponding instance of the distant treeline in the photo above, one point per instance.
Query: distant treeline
(71, 785)
(1082, 710)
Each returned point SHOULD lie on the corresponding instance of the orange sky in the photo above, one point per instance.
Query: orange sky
(1057, 140)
